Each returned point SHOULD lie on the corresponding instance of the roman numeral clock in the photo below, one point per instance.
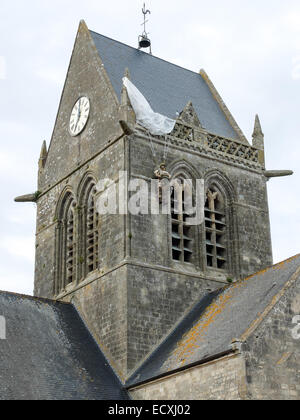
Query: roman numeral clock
(79, 116)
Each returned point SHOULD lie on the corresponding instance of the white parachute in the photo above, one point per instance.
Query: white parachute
(157, 124)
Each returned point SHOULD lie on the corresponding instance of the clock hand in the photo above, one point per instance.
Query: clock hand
(78, 114)
(79, 109)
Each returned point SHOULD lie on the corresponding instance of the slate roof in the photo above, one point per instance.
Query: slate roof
(215, 321)
(49, 354)
(167, 87)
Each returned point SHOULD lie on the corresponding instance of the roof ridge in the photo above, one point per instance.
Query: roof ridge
(151, 55)
(224, 108)
(199, 306)
(35, 298)
(268, 268)
(276, 298)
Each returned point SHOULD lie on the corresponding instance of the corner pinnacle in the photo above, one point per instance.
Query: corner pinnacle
(43, 155)
(258, 135)
(257, 127)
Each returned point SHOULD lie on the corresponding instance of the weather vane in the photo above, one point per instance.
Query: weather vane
(144, 41)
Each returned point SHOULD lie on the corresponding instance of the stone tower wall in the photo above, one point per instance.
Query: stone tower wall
(138, 292)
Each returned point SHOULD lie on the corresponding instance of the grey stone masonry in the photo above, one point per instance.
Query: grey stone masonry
(139, 291)
(222, 380)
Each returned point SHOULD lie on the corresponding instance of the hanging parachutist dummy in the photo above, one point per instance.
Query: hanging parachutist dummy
(162, 174)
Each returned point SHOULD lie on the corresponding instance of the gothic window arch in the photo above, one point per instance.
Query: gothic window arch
(66, 243)
(220, 236)
(216, 229)
(182, 233)
(89, 221)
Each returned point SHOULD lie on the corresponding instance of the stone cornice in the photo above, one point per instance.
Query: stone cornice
(198, 141)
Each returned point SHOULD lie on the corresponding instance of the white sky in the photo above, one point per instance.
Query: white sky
(250, 49)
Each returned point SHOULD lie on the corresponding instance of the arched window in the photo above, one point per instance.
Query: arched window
(92, 235)
(89, 228)
(182, 233)
(215, 229)
(66, 244)
(70, 244)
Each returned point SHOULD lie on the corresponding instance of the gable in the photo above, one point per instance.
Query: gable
(86, 78)
(49, 354)
(167, 87)
(189, 116)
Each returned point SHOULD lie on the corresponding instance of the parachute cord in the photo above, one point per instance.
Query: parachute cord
(166, 147)
(152, 149)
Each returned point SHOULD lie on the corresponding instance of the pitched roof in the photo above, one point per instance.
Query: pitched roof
(167, 87)
(49, 354)
(216, 320)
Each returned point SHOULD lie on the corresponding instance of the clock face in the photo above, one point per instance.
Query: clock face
(79, 116)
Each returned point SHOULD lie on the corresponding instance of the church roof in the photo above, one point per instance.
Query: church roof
(167, 87)
(219, 318)
(50, 355)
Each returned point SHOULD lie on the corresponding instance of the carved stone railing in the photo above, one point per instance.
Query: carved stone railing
(200, 140)
(183, 131)
(232, 148)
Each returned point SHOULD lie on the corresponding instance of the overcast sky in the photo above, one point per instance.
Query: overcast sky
(250, 49)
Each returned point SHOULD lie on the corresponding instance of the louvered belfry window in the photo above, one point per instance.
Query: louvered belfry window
(92, 235)
(70, 244)
(181, 231)
(215, 228)
(66, 245)
(77, 237)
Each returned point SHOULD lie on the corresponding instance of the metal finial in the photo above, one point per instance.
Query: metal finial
(145, 12)
(144, 41)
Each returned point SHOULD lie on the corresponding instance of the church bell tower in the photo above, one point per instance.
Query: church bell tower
(133, 277)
